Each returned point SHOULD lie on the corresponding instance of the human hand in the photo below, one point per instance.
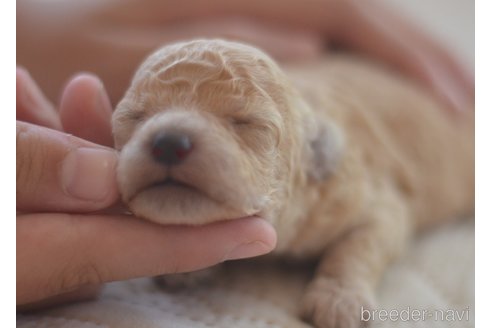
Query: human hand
(107, 38)
(373, 29)
(68, 242)
(366, 27)
(111, 38)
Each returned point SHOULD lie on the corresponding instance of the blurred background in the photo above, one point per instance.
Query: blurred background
(110, 38)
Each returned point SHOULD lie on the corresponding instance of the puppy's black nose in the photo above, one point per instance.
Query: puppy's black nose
(170, 148)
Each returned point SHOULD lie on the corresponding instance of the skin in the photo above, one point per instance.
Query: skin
(75, 36)
(91, 33)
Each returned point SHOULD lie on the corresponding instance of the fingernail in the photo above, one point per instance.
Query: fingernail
(250, 249)
(89, 174)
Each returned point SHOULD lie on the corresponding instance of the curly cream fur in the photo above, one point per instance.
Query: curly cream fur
(343, 157)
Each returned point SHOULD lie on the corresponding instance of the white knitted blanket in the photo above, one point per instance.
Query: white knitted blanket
(436, 275)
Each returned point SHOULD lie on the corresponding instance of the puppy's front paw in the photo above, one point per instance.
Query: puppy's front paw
(329, 303)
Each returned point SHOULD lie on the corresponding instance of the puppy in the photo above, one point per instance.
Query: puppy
(344, 158)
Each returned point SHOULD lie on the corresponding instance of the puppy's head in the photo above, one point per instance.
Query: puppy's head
(208, 130)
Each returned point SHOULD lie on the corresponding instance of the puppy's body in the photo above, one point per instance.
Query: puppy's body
(344, 158)
(396, 140)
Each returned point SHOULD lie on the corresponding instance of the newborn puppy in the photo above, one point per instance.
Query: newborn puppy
(344, 158)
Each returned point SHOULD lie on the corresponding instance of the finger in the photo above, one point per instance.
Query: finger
(419, 36)
(85, 109)
(444, 58)
(395, 42)
(32, 105)
(59, 172)
(282, 42)
(86, 293)
(57, 253)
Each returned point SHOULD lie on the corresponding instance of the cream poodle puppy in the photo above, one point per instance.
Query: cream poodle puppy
(345, 158)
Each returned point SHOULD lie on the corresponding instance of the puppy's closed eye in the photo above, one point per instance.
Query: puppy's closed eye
(242, 122)
(136, 116)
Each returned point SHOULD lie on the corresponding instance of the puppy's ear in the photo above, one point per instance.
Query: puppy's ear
(325, 147)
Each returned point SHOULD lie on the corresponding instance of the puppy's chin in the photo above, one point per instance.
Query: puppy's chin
(175, 203)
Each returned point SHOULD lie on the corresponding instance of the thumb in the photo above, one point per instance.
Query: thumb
(59, 172)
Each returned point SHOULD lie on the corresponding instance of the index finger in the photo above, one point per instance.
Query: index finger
(31, 105)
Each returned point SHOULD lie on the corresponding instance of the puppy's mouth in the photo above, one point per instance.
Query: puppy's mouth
(170, 185)
(170, 182)
(174, 201)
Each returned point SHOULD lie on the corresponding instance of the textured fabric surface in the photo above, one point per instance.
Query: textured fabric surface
(436, 274)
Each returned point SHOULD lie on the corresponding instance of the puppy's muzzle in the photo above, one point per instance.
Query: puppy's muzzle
(183, 166)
